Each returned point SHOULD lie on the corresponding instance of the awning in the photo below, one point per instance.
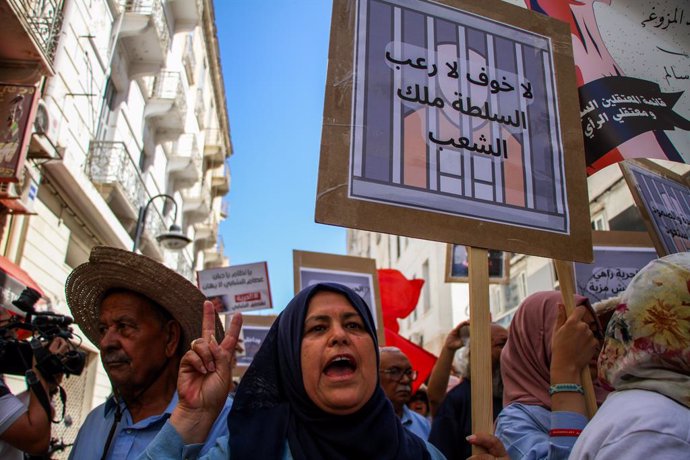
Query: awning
(13, 280)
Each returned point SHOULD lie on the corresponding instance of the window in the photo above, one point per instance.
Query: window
(522, 285)
(599, 221)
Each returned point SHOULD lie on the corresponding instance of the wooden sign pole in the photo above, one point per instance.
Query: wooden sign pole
(566, 279)
(480, 343)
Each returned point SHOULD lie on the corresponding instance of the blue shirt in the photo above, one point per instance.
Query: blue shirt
(415, 423)
(169, 445)
(130, 439)
(524, 431)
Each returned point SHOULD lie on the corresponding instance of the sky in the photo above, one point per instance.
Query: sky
(274, 56)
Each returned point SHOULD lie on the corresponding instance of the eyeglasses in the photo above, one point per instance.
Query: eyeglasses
(396, 373)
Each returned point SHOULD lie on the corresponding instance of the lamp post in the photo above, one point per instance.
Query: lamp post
(173, 239)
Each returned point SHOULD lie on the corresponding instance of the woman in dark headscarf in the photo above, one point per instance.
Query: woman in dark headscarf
(311, 392)
(544, 406)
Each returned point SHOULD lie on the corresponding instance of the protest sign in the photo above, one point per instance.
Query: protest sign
(357, 273)
(457, 265)
(633, 70)
(663, 198)
(253, 332)
(618, 256)
(456, 121)
(454, 125)
(237, 288)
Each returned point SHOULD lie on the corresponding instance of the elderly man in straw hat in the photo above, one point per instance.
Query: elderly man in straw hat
(143, 317)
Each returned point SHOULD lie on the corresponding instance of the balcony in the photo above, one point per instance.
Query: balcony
(220, 180)
(30, 31)
(206, 233)
(111, 169)
(183, 266)
(187, 13)
(200, 109)
(214, 148)
(196, 201)
(184, 160)
(214, 256)
(189, 59)
(166, 107)
(145, 36)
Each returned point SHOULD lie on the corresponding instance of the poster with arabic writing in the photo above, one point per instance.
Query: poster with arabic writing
(236, 288)
(663, 198)
(618, 256)
(633, 69)
(462, 126)
(611, 271)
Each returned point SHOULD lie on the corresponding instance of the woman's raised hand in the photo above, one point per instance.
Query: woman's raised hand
(573, 344)
(205, 378)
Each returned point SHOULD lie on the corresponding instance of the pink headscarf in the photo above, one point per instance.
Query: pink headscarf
(526, 358)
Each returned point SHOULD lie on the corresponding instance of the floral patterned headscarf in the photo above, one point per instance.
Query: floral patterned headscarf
(647, 343)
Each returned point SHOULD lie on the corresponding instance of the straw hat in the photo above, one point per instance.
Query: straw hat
(111, 268)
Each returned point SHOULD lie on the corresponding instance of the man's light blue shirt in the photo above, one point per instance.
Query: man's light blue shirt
(131, 439)
(415, 423)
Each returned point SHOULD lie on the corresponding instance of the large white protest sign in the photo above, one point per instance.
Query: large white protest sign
(237, 288)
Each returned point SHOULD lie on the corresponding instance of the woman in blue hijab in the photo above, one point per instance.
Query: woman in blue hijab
(311, 392)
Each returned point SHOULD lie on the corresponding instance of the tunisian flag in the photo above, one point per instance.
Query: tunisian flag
(399, 298)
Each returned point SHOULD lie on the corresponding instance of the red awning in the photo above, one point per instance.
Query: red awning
(13, 280)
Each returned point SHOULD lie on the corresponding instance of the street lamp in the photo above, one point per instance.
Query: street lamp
(173, 239)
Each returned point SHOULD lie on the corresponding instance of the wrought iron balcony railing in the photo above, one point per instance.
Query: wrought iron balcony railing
(168, 85)
(200, 108)
(110, 163)
(184, 266)
(154, 8)
(44, 20)
(189, 59)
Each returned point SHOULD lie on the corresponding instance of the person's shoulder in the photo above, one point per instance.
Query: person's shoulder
(101, 412)
(461, 391)
(644, 409)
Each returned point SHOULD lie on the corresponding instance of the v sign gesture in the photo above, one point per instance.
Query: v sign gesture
(205, 378)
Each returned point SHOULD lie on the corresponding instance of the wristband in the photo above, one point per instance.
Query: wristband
(564, 432)
(566, 388)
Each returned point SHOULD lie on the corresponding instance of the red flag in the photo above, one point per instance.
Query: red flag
(399, 296)
(422, 361)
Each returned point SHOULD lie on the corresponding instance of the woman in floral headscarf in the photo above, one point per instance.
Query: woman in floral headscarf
(646, 360)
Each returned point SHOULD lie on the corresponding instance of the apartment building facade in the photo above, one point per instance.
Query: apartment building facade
(130, 120)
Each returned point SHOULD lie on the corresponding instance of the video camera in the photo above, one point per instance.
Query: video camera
(16, 355)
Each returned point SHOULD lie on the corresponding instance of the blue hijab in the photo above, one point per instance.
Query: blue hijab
(271, 404)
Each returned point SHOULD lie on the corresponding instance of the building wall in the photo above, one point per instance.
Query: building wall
(75, 211)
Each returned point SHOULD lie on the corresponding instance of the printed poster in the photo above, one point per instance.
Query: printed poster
(633, 70)
(237, 288)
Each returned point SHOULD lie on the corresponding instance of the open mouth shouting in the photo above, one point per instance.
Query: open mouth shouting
(340, 367)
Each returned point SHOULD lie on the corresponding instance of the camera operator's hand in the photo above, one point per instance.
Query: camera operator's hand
(30, 432)
(58, 346)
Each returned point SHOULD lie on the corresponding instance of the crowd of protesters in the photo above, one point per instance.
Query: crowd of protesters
(321, 388)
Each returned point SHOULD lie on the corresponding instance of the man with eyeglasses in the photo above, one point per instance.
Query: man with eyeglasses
(396, 380)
